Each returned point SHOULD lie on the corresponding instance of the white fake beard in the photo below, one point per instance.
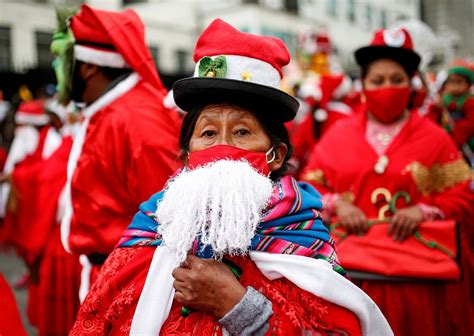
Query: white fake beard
(223, 201)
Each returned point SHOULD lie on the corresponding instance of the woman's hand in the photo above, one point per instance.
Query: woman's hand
(405, 222)
(351, 217)
(207, 285)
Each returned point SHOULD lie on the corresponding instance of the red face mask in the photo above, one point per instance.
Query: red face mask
(387, 104)
(257, 160)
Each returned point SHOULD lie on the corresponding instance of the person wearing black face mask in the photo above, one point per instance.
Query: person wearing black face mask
(394, 168)
(103, 62)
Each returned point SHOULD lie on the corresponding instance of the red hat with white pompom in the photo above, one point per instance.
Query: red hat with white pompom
(31, 113)
(395, 44)
(114, 40)
(240, 68)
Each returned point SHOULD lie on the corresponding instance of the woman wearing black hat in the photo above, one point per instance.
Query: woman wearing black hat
(390, 166)
(232, 242)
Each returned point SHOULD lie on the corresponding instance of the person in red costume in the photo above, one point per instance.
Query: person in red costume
(55, 306)
(126, 147)
(326, 107)
(362, 163)
(35, 141)
(454, 108)
(232, 245)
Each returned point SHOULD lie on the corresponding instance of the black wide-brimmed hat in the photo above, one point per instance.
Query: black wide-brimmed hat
(395, 44)
(237, 68)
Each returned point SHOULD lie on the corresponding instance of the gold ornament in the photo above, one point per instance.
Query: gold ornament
(438, 177)
(246, 75)
(316, 176)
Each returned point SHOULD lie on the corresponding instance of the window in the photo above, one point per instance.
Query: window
(351, 10)
(5, 48)
(383, 19)
(291, 6)
(331, 7)
(130, 2)
(181, 60)
(45, 57)
(154, 51)
(368, 15)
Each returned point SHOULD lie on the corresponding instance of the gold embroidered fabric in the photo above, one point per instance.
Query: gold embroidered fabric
(316, 176)
(439, 176)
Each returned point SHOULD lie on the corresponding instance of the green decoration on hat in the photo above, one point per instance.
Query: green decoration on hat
(212, 68)
(62, 46)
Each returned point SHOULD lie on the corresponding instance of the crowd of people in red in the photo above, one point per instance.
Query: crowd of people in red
(390, 161)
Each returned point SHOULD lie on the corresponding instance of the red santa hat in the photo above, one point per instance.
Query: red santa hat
(115, 40)
(334, 87)
(239, 68)
(395, 44)
(31, 113)
(329, 87)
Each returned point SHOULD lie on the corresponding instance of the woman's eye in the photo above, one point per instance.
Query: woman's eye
(208, 134)
(242, 132)
(377, 81)
(397, 80)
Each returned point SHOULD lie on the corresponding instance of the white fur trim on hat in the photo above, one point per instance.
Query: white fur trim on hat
(248, 69)
(30, 119)
(99, 57)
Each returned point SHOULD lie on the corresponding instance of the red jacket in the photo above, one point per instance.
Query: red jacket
(129, 151)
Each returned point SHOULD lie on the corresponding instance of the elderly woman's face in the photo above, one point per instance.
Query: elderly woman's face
(228, 125)
(385, 73)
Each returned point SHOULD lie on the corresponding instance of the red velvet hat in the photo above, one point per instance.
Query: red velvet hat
(240, 68)
(31, 113)
(115, 40)
(395, 44)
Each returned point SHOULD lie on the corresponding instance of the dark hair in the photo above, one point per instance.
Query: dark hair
(274, 128)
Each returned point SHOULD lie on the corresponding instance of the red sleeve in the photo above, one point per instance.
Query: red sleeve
(151, 166)
(453, 194)
(39, 186)
(434, 113)
(26, 185)
(464, 128)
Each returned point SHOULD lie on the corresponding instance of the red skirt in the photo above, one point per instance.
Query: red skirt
(10, 320)
(58, 294)
(427, 307)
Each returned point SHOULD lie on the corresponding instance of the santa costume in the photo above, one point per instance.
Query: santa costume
(380, 168)
(126, 147)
